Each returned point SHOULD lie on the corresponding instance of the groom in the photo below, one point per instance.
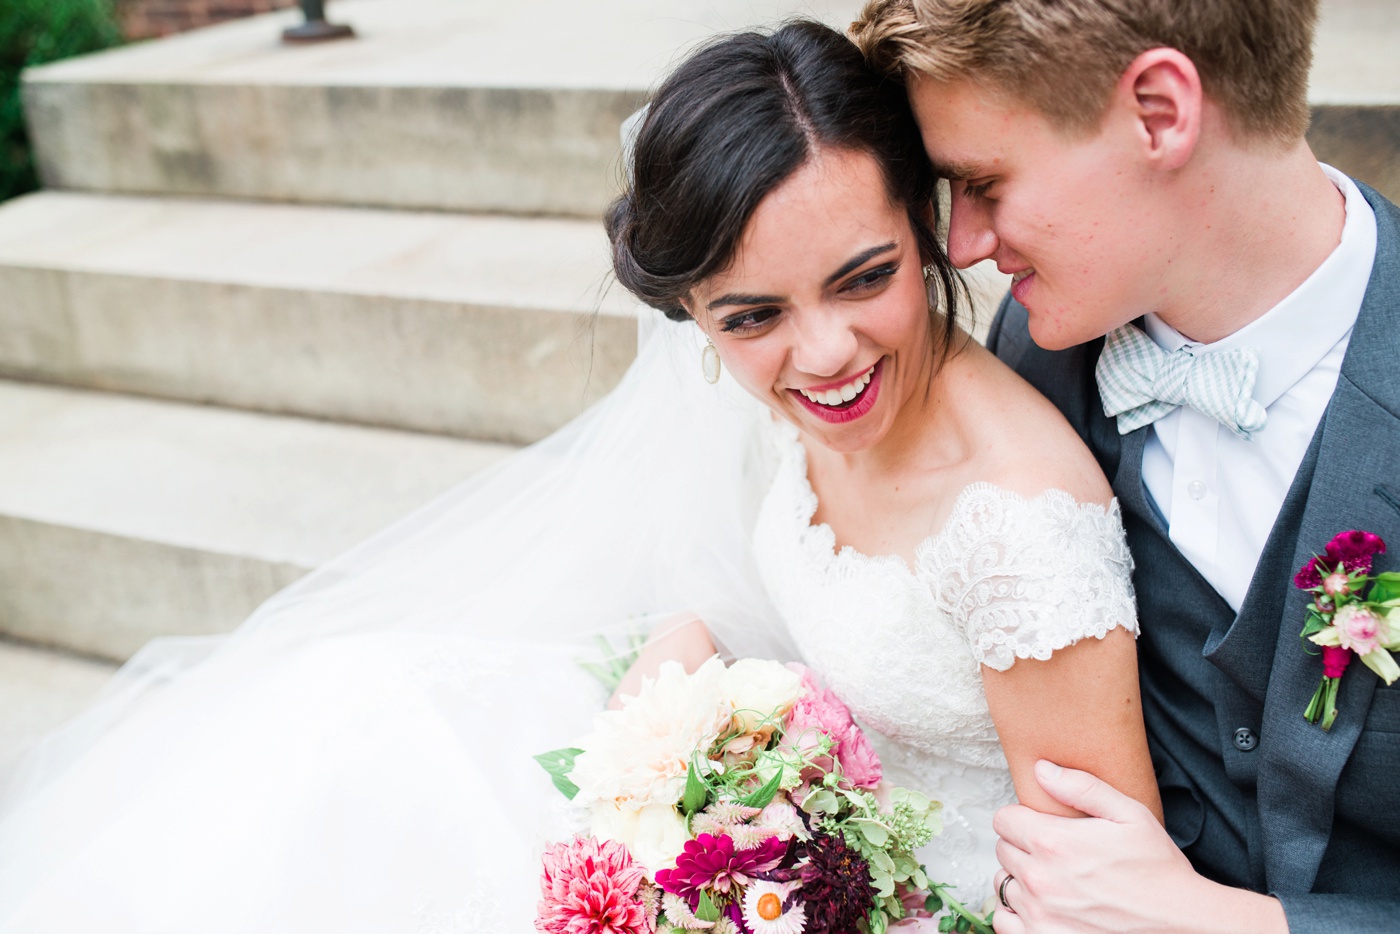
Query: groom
(1183, 263)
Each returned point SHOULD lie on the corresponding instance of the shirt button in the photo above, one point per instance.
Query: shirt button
(1245, 739)
(1196, 489)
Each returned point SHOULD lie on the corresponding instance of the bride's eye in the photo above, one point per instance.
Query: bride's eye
(872, 278)
(752, 320)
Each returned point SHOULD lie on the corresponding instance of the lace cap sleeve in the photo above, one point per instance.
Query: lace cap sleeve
(1025, 577)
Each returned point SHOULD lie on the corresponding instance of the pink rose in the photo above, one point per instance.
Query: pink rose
(859, 763)
(1359, 629)
(820, 711)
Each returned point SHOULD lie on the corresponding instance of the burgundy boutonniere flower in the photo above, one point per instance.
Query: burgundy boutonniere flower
(1350, 616)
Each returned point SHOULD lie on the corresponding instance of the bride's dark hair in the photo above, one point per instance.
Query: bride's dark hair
(731, 124)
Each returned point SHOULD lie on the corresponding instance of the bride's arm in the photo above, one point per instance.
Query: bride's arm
(1081, 709)
(682, 638)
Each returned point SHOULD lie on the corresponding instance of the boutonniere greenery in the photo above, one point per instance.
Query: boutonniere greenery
(1353, 614)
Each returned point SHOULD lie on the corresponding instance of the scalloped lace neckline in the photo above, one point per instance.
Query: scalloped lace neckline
(819, 538)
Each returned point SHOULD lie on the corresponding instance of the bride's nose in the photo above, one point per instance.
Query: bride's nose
(825, 344)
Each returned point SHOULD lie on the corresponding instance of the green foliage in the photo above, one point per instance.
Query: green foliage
(559, 764)
(697, 793)
(1386, 589)
(34, 32)
(613, 662)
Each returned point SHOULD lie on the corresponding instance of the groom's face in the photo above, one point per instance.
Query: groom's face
(1068, 217)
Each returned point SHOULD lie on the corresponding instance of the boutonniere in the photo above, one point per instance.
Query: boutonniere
(1351, 615)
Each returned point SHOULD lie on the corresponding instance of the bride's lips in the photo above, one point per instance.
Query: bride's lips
(846, 411)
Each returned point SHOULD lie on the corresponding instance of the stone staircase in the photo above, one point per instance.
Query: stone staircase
(275, 297)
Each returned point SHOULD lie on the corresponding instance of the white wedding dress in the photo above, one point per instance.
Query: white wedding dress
(1006, 578)
(356, 758)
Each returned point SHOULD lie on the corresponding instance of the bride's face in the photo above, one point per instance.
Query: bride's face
(823, 313)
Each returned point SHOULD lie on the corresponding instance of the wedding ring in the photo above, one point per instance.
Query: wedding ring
(1001, 893)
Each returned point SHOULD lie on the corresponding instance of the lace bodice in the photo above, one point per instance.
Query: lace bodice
(1006, 578)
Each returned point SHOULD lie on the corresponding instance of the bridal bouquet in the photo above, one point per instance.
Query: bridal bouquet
(736, 800)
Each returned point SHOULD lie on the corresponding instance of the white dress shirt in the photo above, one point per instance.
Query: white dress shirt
(1220, 493)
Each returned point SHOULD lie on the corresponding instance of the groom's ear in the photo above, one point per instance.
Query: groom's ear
(1162, 91)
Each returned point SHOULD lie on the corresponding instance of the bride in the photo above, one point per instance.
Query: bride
(862, 487)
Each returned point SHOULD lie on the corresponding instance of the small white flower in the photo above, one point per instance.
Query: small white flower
(764, 910)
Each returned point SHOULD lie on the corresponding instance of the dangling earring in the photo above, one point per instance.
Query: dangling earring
(709, 362)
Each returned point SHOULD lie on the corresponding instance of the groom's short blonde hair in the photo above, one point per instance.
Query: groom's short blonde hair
(1063, 57)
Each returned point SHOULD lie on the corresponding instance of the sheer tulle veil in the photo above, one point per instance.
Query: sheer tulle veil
(640, 508)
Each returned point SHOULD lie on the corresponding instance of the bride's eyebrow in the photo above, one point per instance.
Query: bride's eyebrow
(860, 259)
(855, 262)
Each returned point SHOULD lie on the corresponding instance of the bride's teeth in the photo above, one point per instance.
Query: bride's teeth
(845, 394)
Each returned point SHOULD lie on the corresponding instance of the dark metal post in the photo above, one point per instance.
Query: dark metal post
(316, 29)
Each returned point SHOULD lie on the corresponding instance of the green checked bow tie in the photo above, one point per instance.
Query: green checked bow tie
(1139, 382)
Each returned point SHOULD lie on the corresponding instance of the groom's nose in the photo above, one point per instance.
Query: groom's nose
(971, 238)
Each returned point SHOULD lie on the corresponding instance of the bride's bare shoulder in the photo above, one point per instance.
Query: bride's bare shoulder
(1023, 443)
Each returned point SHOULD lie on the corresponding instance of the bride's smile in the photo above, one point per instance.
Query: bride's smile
(823, 313)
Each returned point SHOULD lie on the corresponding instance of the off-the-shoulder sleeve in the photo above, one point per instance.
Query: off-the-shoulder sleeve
(1025, 577)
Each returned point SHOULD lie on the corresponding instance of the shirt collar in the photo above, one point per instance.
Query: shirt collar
(1294, 335)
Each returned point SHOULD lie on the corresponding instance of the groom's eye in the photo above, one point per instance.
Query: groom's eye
(978, 190)
(751, 320)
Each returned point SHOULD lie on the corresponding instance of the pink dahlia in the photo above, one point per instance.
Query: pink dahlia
(713, 863)
(1349, 552)
(593, 886)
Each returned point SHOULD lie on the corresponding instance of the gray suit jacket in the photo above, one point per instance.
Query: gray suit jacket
(1257, 797)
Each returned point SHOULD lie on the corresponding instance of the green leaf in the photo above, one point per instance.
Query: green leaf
(708, 910)
(559, 764)
(881, 859)
(820, 802)
(764, 796)
(873, 831)
(1315, 622)
(697, 793)
(1386, 588)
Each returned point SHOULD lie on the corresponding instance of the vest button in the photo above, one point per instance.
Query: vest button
(1245, 739)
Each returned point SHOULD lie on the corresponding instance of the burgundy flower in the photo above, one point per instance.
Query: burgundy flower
(1349, 552)
(1335, 660)
(836, 886)
(711, 862)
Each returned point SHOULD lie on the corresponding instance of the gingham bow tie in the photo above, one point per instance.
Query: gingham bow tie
(1139, 382)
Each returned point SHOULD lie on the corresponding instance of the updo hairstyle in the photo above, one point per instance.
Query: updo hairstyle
(731, 124)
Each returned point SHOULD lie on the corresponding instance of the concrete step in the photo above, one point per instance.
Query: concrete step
(440, 104)
(1355, 91)
(41, 689)
(486, 327)
(123, 518)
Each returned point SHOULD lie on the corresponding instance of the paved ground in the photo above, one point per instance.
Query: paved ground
(39, 690)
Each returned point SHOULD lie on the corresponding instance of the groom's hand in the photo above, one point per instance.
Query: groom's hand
(1114, 870)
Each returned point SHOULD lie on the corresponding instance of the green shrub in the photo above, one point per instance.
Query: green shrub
(33, 32)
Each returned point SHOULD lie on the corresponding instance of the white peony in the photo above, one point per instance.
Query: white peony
(639, 755)
(655, 835)
(760, 693)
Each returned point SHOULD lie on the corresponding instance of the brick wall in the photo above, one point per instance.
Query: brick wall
(148, 19)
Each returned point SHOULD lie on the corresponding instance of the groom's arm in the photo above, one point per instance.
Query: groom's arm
(1325, 914)
(1118, 870)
